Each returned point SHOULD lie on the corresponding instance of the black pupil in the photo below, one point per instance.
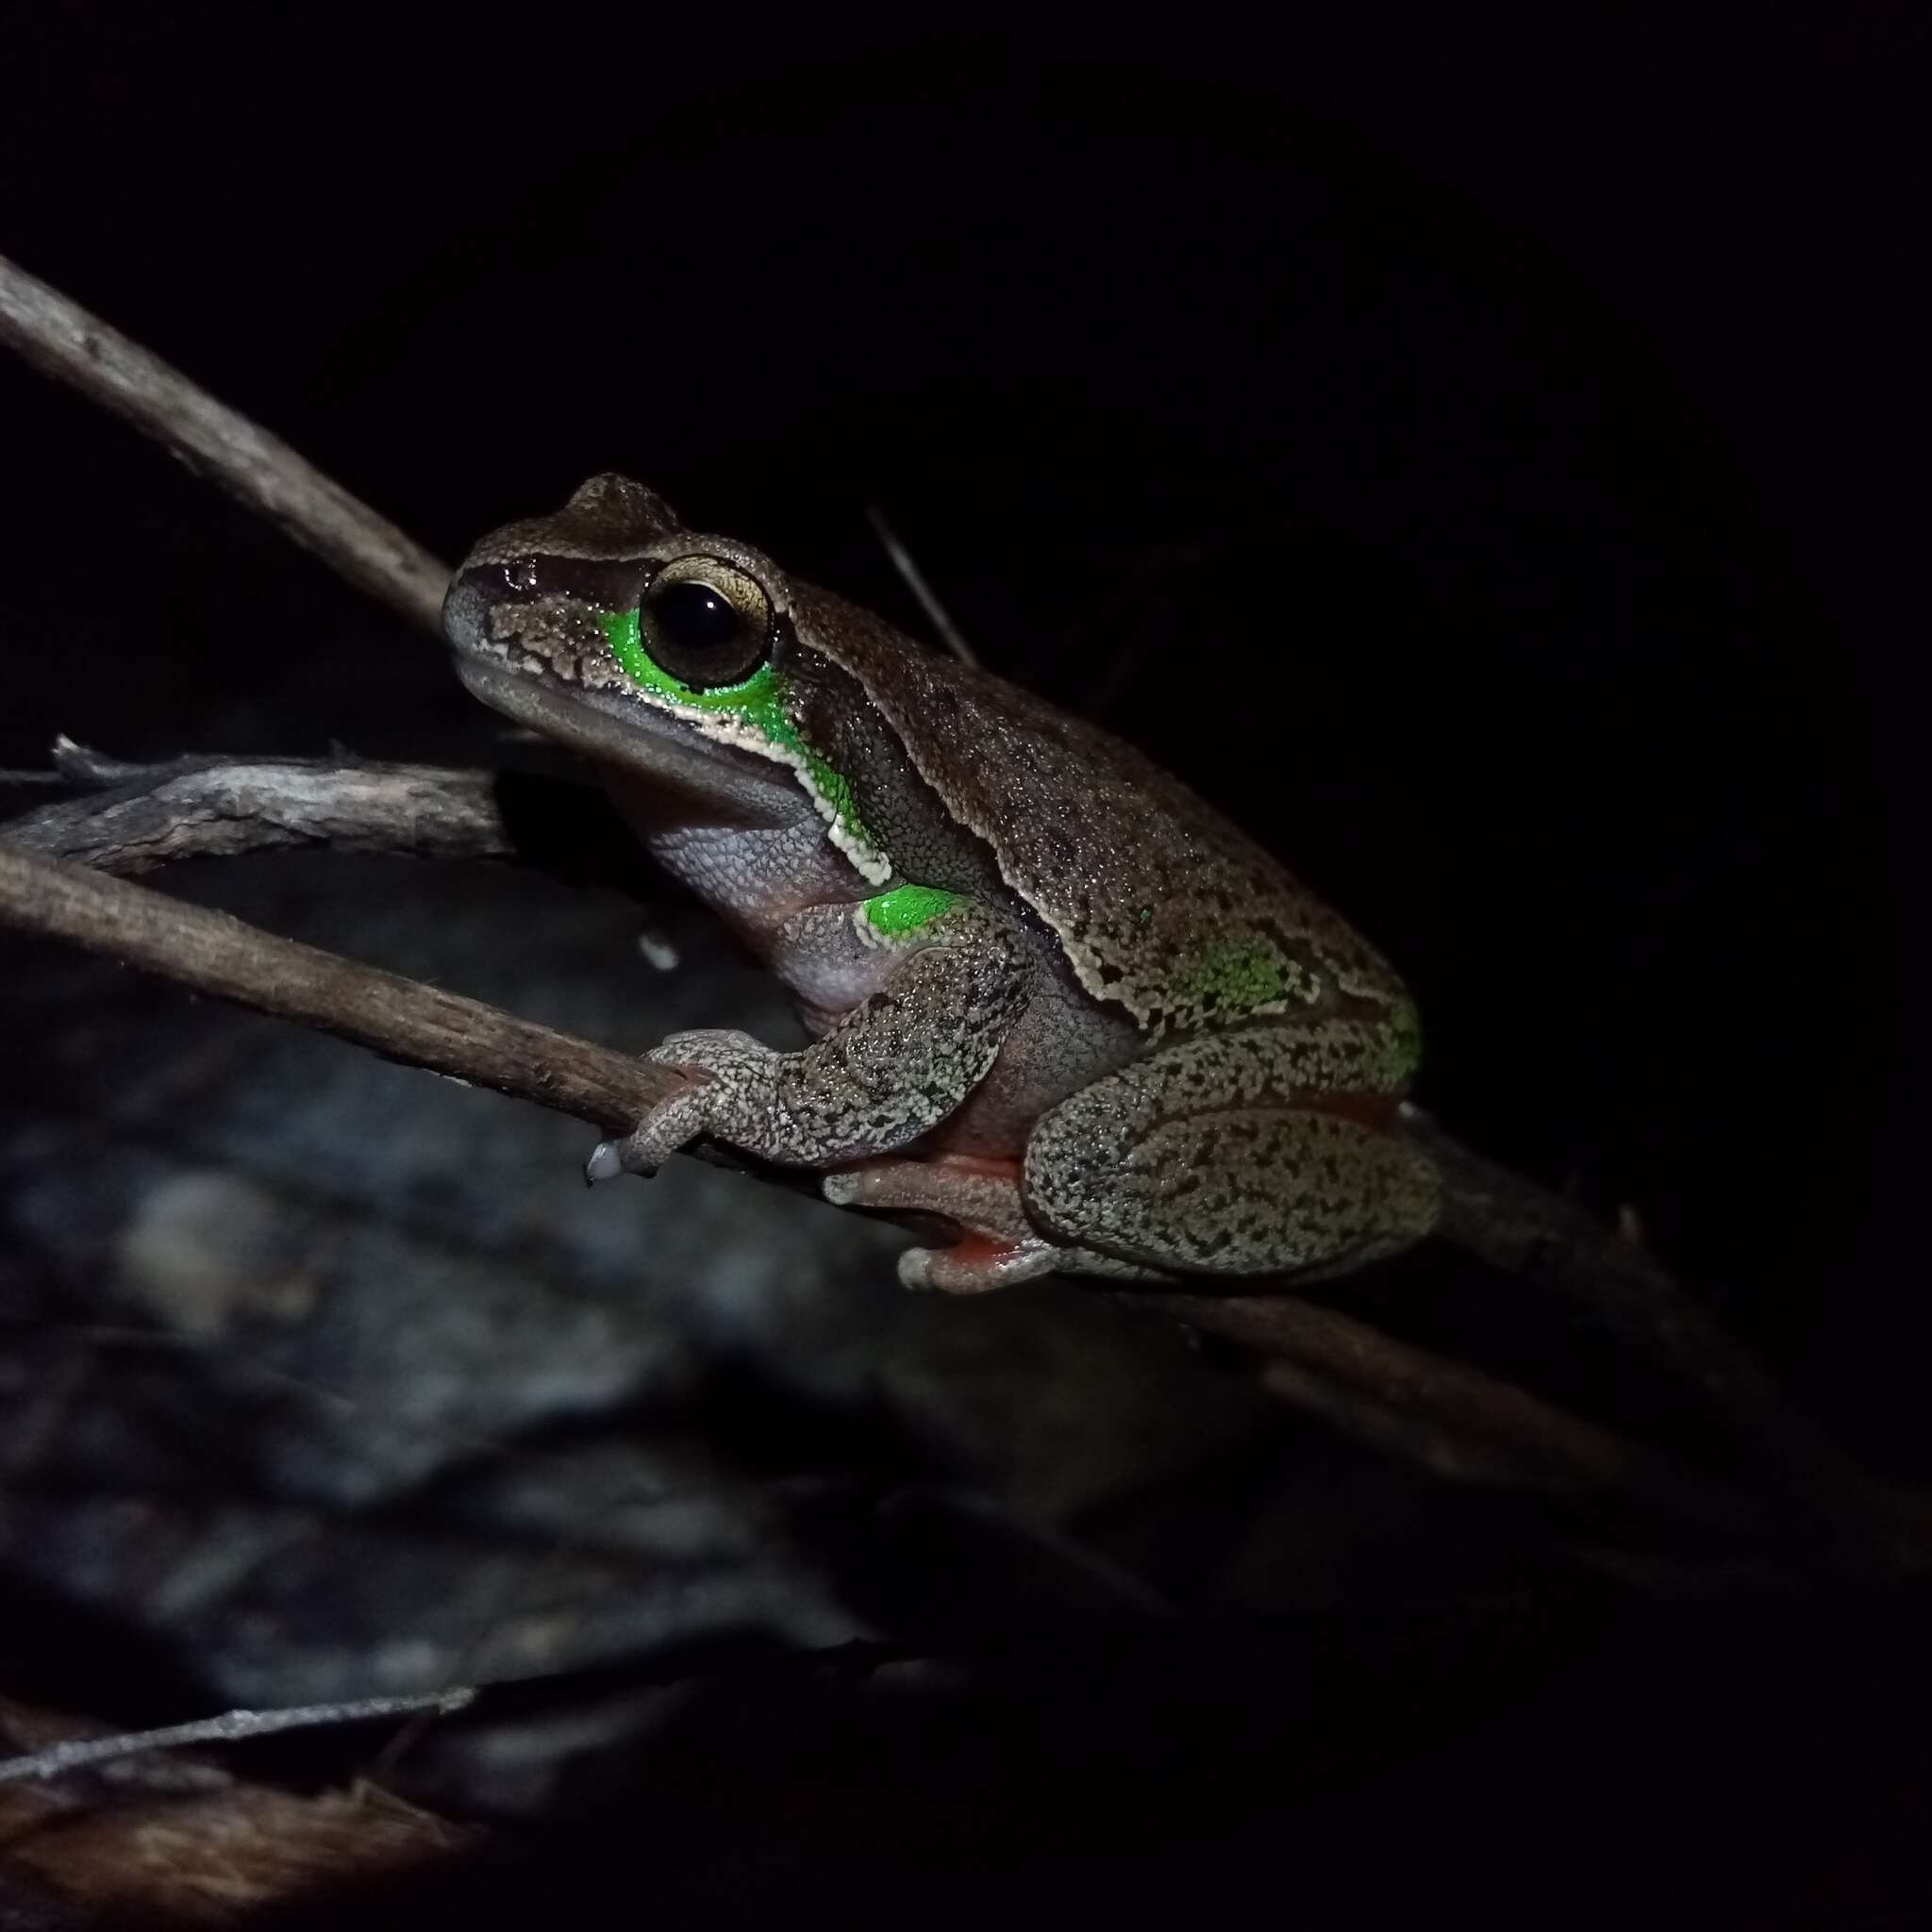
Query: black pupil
(695, 618)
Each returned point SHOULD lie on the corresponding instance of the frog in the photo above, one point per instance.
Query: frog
(1061, 1013)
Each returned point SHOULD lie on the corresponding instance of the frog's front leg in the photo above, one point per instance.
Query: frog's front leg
(1256, 1151)
(890, 1068)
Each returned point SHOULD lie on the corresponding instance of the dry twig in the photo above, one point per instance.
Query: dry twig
(61, 339)
(178, 1841)
(219, 808)
(77, 1753)
(401, 1019)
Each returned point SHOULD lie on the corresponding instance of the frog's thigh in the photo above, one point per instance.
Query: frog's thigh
(1256, 1186)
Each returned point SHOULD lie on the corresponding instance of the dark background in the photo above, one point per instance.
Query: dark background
(1483, 453)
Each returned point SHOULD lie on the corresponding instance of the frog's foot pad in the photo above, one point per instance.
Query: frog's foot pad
(681, 1117)
(605, 1163)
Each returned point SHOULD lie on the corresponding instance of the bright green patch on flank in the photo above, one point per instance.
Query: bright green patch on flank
(1242, 977)
(906, 909)
(1402, 1043)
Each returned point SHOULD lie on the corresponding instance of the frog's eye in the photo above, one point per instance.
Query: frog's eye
(705, 622)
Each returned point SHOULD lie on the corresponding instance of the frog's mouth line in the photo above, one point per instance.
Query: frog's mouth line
(642, 742)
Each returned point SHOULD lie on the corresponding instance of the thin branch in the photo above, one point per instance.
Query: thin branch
(903, 561)
(1363, 1381)
(62, 339)
(178, 1841)
(1524, 1230)
(211, 808)
(1457, 1421)
(401, 1019)
(73, 1754)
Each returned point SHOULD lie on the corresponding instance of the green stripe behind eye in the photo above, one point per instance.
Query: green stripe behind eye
(757, 700)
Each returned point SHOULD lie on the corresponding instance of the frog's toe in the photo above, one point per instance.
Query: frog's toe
(605, 1164)
(642, 1153)
(655, 1139)
(707, 1046)
(983, 1196)
(976, 1264)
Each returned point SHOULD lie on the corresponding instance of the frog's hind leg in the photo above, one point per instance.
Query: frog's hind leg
(1203, 1158)
(999, 1247)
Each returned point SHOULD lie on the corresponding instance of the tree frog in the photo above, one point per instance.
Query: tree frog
(1058, 1005)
